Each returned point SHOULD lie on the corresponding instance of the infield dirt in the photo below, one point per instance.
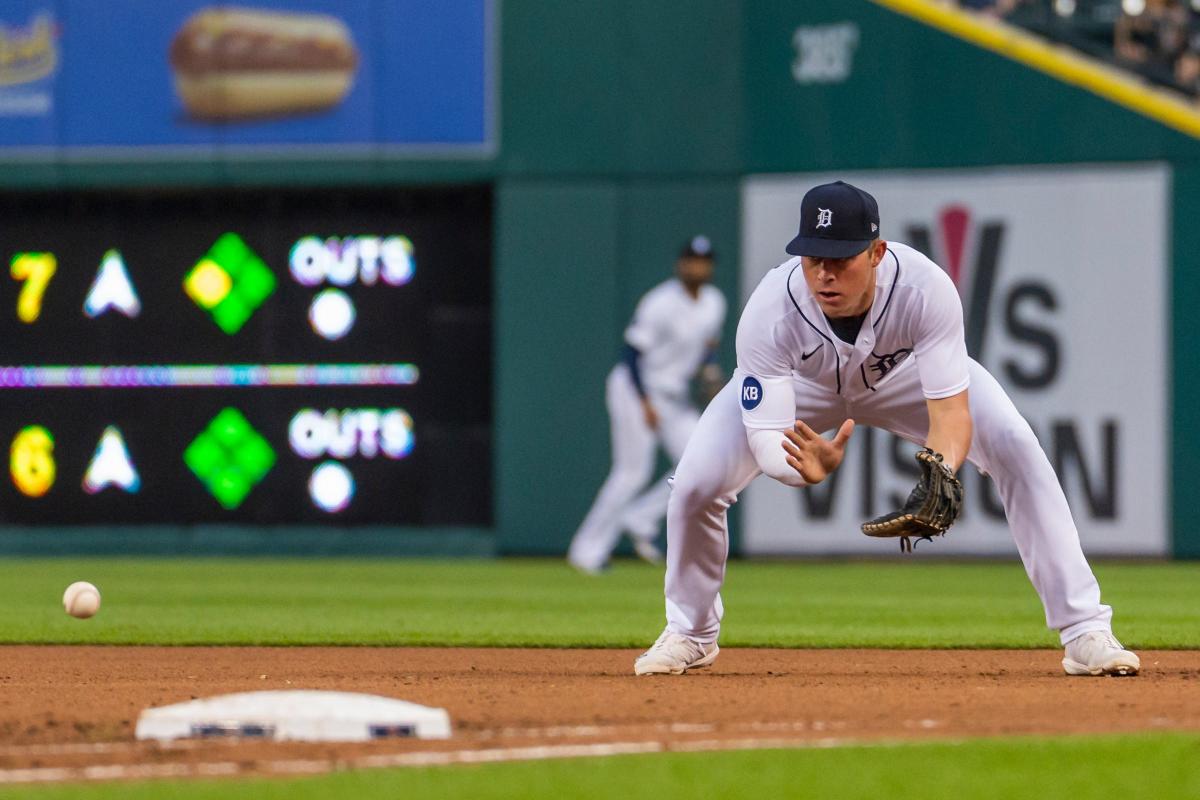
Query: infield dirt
(68, 713)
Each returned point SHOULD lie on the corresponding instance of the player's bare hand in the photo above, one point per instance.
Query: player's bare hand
(712, 381)
(650, 415)
(811, 454)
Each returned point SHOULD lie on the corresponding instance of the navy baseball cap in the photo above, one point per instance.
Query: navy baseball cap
(697, 247)
(837, 220)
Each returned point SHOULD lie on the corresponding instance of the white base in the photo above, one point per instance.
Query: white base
(295, 716)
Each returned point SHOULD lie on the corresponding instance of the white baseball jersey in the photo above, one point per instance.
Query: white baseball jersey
(784, 341)
(672, 331)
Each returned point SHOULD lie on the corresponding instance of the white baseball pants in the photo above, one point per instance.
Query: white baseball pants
(718, 464)
(621, 503)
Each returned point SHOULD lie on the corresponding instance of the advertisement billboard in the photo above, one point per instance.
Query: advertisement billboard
(1062, 275)
(197, 78)
(250, 357)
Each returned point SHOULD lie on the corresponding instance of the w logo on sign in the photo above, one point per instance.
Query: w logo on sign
(751, 393)
(976, 279)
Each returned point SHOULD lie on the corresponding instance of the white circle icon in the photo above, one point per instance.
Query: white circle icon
(331, 487)
(331, 314)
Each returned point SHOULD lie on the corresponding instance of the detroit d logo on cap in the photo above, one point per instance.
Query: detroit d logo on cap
(751, 393)
(824, 217)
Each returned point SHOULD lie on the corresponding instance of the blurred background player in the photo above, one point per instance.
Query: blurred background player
(672, 337)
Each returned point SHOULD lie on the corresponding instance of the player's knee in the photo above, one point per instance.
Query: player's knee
(690, 497)
(1014, 441)
(1018, 436)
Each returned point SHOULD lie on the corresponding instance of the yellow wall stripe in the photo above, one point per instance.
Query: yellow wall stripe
(1055, 60)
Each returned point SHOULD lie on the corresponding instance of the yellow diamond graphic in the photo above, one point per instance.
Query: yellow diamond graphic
(207, 284)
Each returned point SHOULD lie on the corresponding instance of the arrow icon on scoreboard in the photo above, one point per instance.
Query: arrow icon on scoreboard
(112, 289)
(111, 465)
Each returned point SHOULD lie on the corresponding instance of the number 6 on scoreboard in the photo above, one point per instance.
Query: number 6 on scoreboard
(31, 461)
(36, 269)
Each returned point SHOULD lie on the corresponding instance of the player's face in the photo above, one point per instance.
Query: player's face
(694, 271)
(844, 287)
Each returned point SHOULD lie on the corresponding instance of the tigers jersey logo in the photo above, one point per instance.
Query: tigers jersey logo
(888, 361)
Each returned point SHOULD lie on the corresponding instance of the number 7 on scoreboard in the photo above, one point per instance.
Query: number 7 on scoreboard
(36, 269)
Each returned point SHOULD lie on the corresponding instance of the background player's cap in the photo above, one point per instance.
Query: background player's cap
(697, 247)
(837, 220)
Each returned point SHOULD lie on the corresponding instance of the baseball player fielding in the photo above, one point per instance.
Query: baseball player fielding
(851, 330)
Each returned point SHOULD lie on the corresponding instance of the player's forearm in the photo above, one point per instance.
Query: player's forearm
(632, 358)
(952, 443)
(767, 447)
(950, 433)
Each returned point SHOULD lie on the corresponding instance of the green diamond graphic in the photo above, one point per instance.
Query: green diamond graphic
(229, 457)
(230, 281)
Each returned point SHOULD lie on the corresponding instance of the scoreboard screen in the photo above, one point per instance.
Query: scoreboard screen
(252, 357)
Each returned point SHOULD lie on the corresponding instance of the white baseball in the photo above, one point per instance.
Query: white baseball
(81, 599)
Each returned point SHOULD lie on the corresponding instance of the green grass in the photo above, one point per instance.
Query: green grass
(1160, 766)
(899, 603)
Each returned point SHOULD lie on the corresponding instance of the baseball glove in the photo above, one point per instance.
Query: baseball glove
(931, 508)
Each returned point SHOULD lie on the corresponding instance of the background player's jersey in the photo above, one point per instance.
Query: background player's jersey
(783, 338)
(672, 331)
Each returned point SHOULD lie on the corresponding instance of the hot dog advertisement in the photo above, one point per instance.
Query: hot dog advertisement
(236, 62)
(400, 78)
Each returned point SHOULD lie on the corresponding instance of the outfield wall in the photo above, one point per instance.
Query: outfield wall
(624, 127)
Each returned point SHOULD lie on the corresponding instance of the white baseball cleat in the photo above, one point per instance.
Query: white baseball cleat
(675, 654)
(646, 550)
(588, 569)
(1099, 653)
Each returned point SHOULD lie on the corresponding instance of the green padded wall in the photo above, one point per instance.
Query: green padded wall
(1185, 332)
(556, 291)
(918, 97)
